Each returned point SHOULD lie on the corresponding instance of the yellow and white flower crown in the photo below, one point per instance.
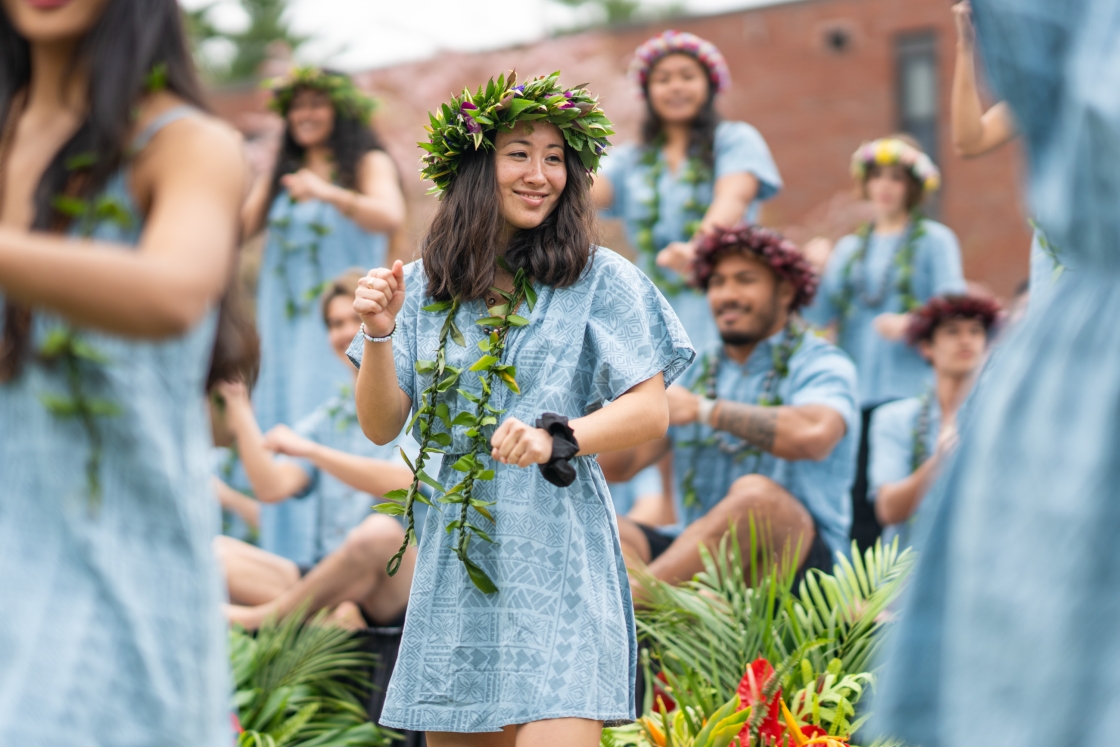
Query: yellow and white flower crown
(888, 151)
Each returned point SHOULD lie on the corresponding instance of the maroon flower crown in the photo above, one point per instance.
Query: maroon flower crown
(778, 252)
(938, 309)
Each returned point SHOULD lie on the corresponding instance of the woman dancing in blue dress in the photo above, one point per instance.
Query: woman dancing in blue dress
(118, 222)
(505, 340)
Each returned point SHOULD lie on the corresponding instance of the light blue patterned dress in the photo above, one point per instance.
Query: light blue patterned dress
(339, 507)
(738, 148)
(887, 369)
(820, 374)
(893, 431)
(111, 632)
(309, 243)
(557, 639)
(1009, 633)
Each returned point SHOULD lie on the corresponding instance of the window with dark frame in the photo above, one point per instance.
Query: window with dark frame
(917, 92)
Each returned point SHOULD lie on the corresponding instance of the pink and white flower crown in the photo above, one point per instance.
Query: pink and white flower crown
(669, 42)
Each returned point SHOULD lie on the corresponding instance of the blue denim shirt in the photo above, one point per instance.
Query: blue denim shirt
(820, 374)
(892, 433)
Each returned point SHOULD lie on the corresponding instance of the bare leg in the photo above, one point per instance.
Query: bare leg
(505, 738)
(779, 518)
(635, 546)
(355, 572)
(555, 732)
(253, 575)
(560, 732)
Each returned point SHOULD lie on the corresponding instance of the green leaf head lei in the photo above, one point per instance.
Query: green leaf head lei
(346, 97)
(470, 121)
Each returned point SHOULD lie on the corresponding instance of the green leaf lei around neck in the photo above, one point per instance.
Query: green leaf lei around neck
(66, 347)
(1051, 251)
(696, 172)
(706, 385)
(921, 432)
(904, 266)
(281, 229)
(480, 424)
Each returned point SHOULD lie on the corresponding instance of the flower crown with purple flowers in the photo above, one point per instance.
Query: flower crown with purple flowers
(670, 42)
(470, 120)
(778, 252)
(887, 151)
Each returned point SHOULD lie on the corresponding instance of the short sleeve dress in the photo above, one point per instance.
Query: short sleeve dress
(111, 631)
(888, 369)
(738, 149)
(557, 639)
(308, 243)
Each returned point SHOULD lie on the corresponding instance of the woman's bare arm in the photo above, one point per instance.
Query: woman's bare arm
(975, 131)
(162, 288)
(383, 406)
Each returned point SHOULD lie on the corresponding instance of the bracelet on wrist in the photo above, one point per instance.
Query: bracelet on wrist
(558, 470)
(704, 409)
(371, 338)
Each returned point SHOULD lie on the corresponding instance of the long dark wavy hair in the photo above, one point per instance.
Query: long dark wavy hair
(703, 136)
(468, 231)
(349, 141)
(130, 40)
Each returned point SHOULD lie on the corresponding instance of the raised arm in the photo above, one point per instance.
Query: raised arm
(374, 476)
(975, 131)
(255, 209)
(191, 178)
(377, 204)
(383, 406)
(272, 480)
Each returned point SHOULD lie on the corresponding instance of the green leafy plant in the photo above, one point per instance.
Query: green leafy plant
(301, 684)
(704, 634)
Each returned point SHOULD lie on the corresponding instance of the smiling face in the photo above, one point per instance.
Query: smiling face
(747, 299)
(530, 168)
(956, 347)
(311, 117)
(53, 20)
(678, 88)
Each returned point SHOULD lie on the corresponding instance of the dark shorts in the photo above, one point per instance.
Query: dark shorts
(819, 557)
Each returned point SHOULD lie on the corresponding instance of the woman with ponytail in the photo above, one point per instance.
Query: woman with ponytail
(118, 222)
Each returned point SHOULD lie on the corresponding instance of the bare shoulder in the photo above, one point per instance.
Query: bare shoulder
(198, 146)
(377, 163)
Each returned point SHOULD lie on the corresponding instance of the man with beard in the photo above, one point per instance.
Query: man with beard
(765, 426)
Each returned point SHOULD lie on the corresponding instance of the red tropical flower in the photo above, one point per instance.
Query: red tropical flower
(754, 681)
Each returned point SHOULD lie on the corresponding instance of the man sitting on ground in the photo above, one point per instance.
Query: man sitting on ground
(909, 437)
(765, 426)
(326, 459)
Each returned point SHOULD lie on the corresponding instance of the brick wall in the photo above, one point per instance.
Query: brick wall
(813, 104)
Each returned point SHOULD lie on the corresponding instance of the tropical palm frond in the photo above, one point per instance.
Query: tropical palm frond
(301, 683)
(705, 633)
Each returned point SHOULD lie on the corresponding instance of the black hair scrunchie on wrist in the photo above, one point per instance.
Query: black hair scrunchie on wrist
(558, 470)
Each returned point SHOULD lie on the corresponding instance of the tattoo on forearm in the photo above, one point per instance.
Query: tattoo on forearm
(754, 424)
